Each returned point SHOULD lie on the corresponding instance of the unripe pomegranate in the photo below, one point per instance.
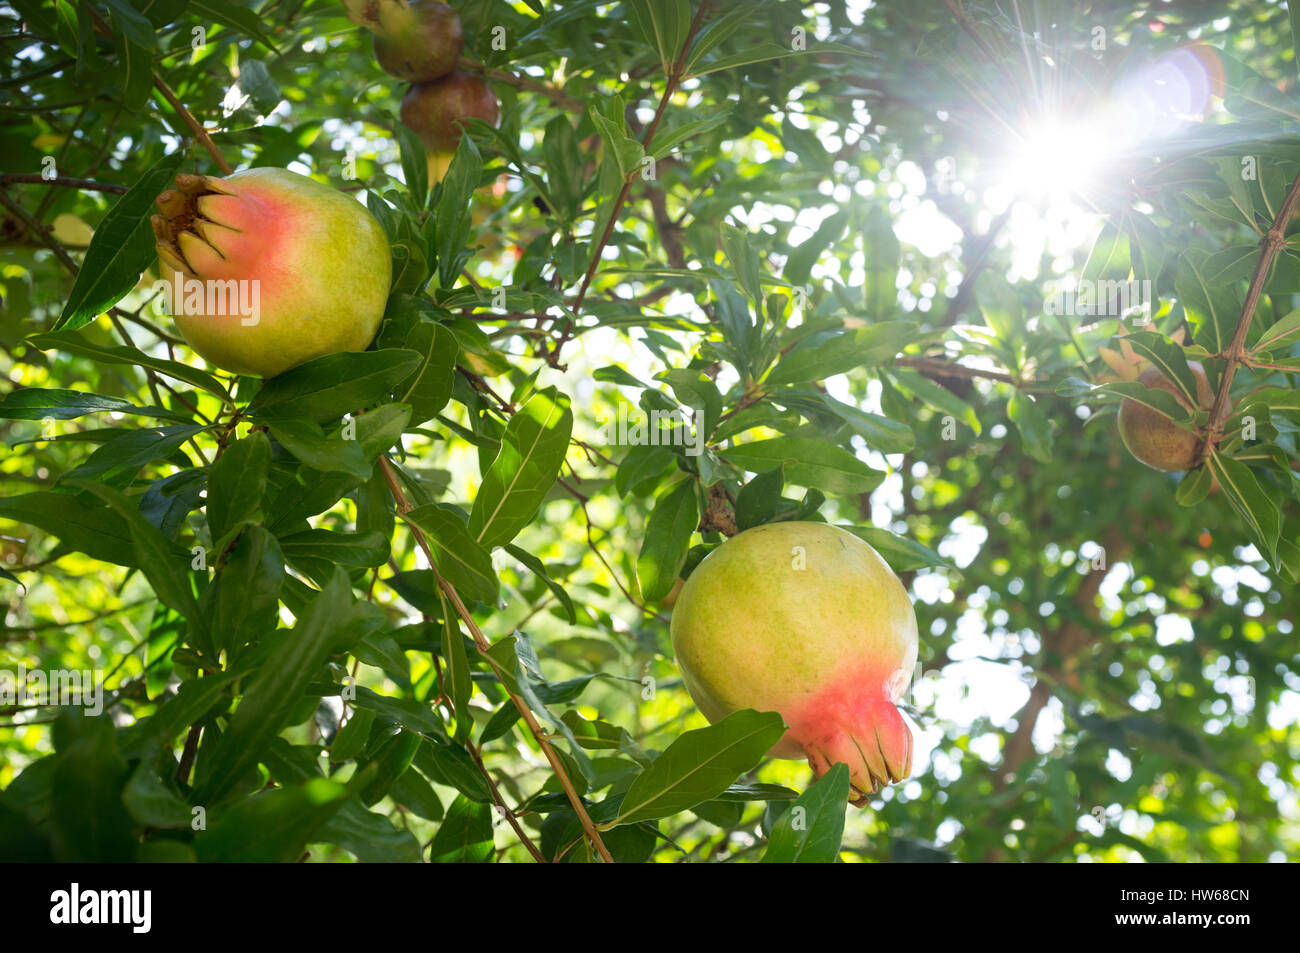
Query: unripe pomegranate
(807, 620)
(433, 111)
(418, 41)
(1151, 436)
(312, 262)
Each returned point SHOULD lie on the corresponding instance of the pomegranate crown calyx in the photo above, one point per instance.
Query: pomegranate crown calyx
(182, 220)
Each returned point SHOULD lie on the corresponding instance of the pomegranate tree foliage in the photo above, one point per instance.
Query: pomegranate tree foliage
(1109, 651)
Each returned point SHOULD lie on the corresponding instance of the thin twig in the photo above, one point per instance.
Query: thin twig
(196, 127)
(35, 178)
(480, 640)
(674, 77)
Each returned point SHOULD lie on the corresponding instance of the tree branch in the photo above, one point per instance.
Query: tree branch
(1236, 352)
(480, 640)
(674, 77)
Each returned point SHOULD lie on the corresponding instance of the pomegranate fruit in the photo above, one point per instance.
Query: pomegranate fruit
(1151, 436)
(433, 110)
(312, 262)
(418, 41)
(807, 620)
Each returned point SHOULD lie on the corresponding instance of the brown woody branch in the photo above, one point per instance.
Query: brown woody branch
(1270, 244)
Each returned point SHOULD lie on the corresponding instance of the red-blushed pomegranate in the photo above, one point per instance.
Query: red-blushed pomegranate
(269, 269)
(807, 620)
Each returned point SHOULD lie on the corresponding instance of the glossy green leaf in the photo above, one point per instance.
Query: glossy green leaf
(667, 536)
(532, 451)
(810, 831)
(700, 765)
(808, 462)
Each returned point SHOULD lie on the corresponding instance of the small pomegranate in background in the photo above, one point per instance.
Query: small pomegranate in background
(1151, 436)
(434, 110)
(807, 620)
(269, 269)
(417, 41)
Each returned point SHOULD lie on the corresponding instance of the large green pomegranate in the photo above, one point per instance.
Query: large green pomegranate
(268, 269)
(807, 620)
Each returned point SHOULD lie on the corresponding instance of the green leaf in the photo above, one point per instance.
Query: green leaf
(166, 569)
(1109, 258)
(539, 570)
(626, 152)
(237, 18)
(387, 765)
(1169, 358)
(451, 765)
(429, 388)
(808, 462)
(758, 53)
(369, 836)
(410, 714)
(758, 500)
(799, 265)
(342, 549)
(940, 398)
(667, 537)
(119, 459)
(670, 137)
(743, 260)
(700, 765)
(810, 831)
(273, 826)
(1281, 335)
(292, 658)
(153, 802)
(236, 482)
(327, 453)
(415, 794)
(881, 248)
(1035, 430)
(415, 165)
(1257, 511)
(1211, 309)
(457, 680)
(122, 248)
(527, 465)
(873, 344)
(880, 433)
(1194, 486)
(329, 387)
(665, 24)
(243, 600)
(91, 822)
(460, 559)
(1161, 401)
(193, 700)
(454, 210)
(72, 342)
(902, 554)
(465, 835)
(565, 172)
(39, 403)
(96, 531)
